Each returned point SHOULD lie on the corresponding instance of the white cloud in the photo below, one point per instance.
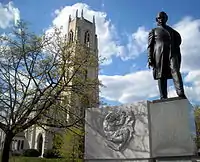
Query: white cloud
(138, 85)
(192, 93)
(137, 44)
(9, 15)
(189, 29)
(106, 32)
(141, 86)
(193, 78)
(130, 87)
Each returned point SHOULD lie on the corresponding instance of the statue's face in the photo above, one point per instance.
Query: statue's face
(161, 18)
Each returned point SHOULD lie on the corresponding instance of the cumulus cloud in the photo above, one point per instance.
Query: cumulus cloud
(138, 85)
(130, 87)
(191, 92)
(193, 78)
(189, 29)
(9, 15)
(137, 44)
(107, 37)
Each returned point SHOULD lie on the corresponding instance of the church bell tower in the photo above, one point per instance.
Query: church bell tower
(84, 31)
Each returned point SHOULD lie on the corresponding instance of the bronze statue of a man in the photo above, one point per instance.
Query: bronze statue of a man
(164, 56)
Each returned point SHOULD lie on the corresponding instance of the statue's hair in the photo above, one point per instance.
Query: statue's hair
(164, 13)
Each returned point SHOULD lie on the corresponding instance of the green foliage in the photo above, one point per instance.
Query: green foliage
(31, 153)
(16, 153)
(197, 121)
(70, 144)
(51, 153)
(35, 159)
(57, 141)
(57, 145)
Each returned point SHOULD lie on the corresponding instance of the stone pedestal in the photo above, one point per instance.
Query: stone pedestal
(172, 128)
(139, 131)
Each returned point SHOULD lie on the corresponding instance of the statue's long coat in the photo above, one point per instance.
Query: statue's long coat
(164, 51)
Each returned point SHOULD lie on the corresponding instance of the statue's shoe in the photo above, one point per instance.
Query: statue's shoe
(182, 96)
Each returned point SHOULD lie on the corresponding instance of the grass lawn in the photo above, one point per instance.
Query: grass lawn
(33, 159)
(39, 159)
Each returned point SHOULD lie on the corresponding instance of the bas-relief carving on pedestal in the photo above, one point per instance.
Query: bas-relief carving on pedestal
(117, 132)
(122, 132)
(119, 128)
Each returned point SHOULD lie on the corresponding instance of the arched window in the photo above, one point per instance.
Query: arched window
(87, 38)
(18, 145)
(71, 36)
(22, 145)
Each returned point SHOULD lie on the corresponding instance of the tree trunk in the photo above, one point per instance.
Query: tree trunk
(6, 148)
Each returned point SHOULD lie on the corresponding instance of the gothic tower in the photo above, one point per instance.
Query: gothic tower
(84, 31)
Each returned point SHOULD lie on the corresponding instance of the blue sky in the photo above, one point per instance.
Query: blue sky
(122, 28)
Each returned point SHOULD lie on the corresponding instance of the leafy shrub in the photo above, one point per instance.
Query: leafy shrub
(51, 153)
(16, 153)
(73, 144)
(31, 153)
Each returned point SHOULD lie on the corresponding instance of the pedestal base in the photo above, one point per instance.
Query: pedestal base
(172, 128)
(140, 131)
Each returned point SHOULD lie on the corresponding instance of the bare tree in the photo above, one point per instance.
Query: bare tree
(41, 81)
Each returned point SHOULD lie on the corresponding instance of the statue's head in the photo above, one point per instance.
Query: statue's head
(161, 18)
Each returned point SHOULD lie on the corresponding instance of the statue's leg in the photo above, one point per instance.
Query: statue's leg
(178, 83)
(162, 85)
(177, 78)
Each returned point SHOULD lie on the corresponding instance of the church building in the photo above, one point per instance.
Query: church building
(83, 31)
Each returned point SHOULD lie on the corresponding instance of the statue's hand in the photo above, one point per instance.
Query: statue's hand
(150, 64)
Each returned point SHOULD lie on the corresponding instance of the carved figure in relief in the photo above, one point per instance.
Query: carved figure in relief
(118, 128)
